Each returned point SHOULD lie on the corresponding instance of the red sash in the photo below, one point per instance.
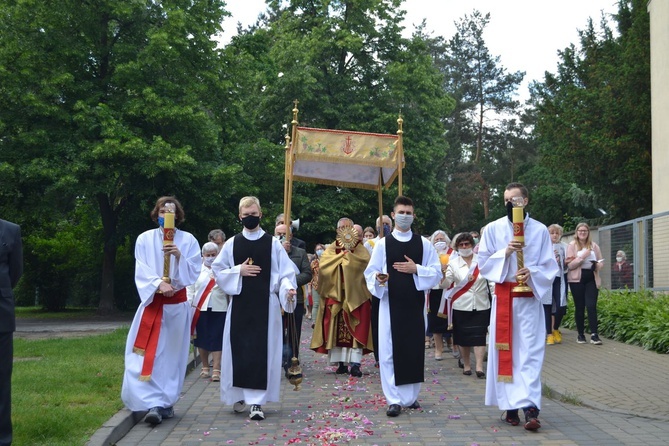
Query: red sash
(198, 307)
(453, 293)
(146, 342)
(504, 328)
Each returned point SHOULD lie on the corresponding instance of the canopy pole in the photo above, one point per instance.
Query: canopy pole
(380, 194)
(400, 154)
(288, 191)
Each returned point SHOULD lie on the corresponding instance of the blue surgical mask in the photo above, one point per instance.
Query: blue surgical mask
(319, 252)
(403, 221)
(161, 222)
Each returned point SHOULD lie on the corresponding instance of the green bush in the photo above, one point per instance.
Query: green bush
(638, 318)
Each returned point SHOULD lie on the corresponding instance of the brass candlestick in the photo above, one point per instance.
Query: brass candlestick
(519, 236)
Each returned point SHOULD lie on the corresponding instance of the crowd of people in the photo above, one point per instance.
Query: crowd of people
(382, 290)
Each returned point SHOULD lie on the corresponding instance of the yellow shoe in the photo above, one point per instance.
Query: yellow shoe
(557, 336)
(550, 340)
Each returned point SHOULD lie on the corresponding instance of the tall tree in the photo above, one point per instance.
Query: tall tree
(114, 102)
(350, 68)
(593, 115)
(484, 92)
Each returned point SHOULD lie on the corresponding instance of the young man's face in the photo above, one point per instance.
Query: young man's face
(510, 194)
(402, 209)
(250, 210)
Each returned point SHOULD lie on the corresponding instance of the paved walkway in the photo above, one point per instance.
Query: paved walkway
(624, 392)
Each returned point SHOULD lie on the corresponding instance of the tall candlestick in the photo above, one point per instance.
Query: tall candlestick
(168, 238)
(518, 220)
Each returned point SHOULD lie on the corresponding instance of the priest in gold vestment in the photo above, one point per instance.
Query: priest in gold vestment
(343, 325)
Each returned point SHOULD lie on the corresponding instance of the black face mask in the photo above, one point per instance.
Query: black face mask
(251, 221)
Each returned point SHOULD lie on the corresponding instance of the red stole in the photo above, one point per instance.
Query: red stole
(146, 342)
(454, 292)
(198, 307)
(504, 328)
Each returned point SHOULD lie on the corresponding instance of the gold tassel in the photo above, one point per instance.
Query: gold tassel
(502, 346)
(442, 315)
(505, 379)
(145, 378)
(139, 351)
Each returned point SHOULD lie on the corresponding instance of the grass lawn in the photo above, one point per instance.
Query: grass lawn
(63, 390)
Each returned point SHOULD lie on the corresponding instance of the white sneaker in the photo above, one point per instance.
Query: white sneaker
(256, 413)
(239, 406)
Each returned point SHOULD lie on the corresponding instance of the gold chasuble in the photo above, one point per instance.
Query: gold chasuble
(344, 315)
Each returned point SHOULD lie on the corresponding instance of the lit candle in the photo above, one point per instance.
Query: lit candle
(168, 228)
(518, 223)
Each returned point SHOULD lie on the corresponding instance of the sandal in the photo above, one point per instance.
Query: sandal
(216, 375)
(205, 372)
(428, 345)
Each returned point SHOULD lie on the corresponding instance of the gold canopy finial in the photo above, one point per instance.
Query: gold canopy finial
(295, 110)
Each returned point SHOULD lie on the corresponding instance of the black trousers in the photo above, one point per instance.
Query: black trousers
(585, 295)
(6, 359)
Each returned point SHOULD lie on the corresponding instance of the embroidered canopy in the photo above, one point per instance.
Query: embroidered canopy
(344, 158)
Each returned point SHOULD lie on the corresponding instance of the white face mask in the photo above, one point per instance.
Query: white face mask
(403, 221)
(465, 252)
(209, 260)
(619, 259)
(440, 246)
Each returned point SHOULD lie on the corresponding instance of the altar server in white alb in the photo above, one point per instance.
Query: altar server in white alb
(156, 352)
(517, 328)
(254, 269)
(402, 266)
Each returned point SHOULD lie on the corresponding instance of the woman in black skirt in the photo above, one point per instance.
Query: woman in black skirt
(470, 297)
(438, 326)
(212, 304)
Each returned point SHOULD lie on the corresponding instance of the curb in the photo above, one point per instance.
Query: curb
(120, 423)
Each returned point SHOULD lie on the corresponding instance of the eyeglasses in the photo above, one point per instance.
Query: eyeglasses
(582, 230)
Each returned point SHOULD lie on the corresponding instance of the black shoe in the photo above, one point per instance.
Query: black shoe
(512, 417)
(167, 412)
(594, 339)
(580, 339)
(480, 375)
(256, 413)
(467, 372)
(532, 422)
(415, 405)
(394, 410)
(342, 370)
(461, 364)
(355, 371)
(154, 417)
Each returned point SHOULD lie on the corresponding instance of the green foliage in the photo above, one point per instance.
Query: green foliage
(487, 143)
(592, 117)
(74, 384)
(638, 318)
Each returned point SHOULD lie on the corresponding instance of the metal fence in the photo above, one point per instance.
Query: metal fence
(645, 243)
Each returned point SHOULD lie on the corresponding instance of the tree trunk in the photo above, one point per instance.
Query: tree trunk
(107, 304)
(109, 219)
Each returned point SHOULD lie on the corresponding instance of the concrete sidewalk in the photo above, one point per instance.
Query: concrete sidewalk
(623, 389)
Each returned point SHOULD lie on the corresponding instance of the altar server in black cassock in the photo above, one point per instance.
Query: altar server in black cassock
(413, 266)
(255, 271)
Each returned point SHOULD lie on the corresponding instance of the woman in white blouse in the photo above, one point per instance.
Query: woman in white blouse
(470, 296)
(209, 321)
